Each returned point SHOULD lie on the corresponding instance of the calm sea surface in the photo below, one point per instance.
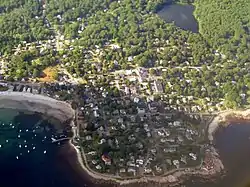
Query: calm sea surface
(233, 144)
(29, 158)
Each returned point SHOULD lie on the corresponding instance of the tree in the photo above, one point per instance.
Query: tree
(35, 73)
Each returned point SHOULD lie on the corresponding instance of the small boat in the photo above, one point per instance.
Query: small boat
(44, 152)
(34, 148)
(0, 146)
(7, 141)
(20, 146)
(25, 146)
(53, 139)
(17, 157)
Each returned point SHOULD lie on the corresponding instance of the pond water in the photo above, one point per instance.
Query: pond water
(181, 15)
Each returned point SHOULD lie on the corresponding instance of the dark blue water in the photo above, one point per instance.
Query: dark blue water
(29, 158)
(233, 143)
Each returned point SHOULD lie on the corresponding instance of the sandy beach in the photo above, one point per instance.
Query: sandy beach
(222, 118)
(37, 103)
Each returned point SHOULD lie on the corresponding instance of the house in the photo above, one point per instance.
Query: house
(136, 99)
(139, 161)
(170, 150)
(102, 141)
(184, 159)
(176, 163)
(106, 159)
(177, 123)
(11, 88)
(88, 137)
(143, 74)
(132, 170)
(29, 90)
(130, 58)
(158, 86)
(193, 156)
(92, 153)
(147, 170)
(98, 167)
(35, 91)
(19, 88)
(141, 111)
(122, 170)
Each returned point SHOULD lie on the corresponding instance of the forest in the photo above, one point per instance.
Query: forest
(221, 48)
(225, 25)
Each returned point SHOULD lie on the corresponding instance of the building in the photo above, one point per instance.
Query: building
(106, 159)
(158, 86)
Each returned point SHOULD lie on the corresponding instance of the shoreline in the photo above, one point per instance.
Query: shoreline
(222, 118)
(62, 111)
(173, 178)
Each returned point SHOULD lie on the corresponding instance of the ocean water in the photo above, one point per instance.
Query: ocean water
(27, 155)
(233, 144)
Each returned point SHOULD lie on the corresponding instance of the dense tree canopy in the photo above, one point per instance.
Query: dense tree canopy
(226, 25)
(108, 35)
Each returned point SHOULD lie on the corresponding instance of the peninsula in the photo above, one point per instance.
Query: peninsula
(204, 163)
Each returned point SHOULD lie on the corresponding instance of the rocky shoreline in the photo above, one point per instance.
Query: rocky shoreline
(173, 178)
(224, 118)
